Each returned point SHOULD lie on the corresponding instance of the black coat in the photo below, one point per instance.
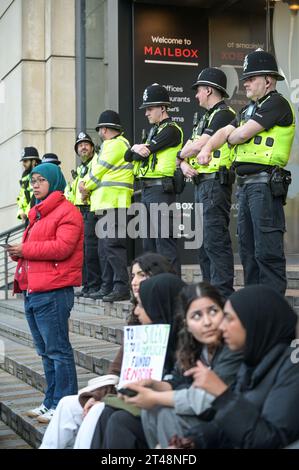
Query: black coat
(261, 412)
(225, 363)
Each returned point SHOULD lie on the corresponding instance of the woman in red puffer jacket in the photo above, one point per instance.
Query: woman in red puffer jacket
(50, 261)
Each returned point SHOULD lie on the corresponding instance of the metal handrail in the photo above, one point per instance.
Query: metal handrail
(11, 236)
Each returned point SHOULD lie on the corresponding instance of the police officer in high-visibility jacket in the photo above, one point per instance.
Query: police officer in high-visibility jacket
(262, 136)
(109, 184)
(84, 148)
(212, 182)
(154, 167)
(30, 158)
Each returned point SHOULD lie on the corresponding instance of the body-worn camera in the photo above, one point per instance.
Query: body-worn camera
(279, 182)
(74, 174)
(179, 181)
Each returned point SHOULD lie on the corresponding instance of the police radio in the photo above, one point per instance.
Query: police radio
(195, 119)
(143, 136)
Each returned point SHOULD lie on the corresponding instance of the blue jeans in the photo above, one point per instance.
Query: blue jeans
(47, 314)
(261, 227)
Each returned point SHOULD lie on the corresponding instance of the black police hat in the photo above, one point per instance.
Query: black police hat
(260, 62)
(109, 119)
(29, 153)
(51, 158)
(214, 78)
(83, 137)
(155, 95)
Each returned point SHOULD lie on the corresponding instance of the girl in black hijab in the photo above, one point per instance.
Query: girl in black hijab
(158, 296)
(261, 409)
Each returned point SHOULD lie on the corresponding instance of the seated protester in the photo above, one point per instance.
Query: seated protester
(77, 415)
(158, 298)
(201, 357)
(172, 406)
(261, 410)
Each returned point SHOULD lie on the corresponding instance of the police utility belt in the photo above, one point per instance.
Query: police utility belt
(277, 178)
(166, 183)
(170, 184)
(225, 176)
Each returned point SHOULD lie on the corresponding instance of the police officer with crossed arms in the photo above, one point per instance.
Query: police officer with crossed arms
(154, 167)
(212, 182)
(262, 137)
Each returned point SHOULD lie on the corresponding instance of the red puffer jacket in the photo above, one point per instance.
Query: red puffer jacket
(52, 247)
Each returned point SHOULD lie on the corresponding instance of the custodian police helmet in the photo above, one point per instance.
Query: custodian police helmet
(109, 119)
(260, 62)
(51, 158)
(214, 78)
(83, 137)
(155, 95)
(30, 153)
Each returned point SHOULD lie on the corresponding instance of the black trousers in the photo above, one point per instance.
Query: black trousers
(215, 255)
(112, 250)
(118, 429)
(91, 263)
(261, 227)
(155, 240)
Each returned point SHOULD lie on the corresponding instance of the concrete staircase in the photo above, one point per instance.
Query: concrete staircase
(95, 333)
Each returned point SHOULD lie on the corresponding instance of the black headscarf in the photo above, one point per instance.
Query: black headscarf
(267, 318)
(158, 297)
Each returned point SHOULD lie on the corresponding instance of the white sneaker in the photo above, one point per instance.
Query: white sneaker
(46, 417)
(39, 411)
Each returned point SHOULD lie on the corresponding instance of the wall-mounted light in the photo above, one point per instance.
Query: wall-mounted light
(293, 5)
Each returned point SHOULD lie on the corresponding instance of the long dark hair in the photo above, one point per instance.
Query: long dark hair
(189, 348)
(151, 264)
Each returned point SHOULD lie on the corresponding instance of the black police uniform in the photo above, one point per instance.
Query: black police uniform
(261, 220)
(215, 255)
(152, 192)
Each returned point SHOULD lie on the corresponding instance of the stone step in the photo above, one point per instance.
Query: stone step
(292, 276)
(96, 326)
(90, 353)
(98, 307)
(16, 397)
(10, 440)
(23, 362)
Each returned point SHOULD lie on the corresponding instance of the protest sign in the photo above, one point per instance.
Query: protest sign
(144, 353)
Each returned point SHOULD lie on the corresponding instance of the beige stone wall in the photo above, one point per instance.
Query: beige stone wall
(37, 70)
(37, 82)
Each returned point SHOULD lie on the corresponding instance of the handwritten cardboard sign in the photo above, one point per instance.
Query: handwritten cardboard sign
(144, 352)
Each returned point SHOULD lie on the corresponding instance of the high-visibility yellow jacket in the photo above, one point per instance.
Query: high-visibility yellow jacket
(110, 178)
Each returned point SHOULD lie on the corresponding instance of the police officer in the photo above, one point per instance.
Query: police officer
(109, 183)
(51, 158)
(30, 159)
(262, 136)
(154, 166)
(84, 148)
(212, 182)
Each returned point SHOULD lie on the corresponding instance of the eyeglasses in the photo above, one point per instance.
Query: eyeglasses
(37, 181)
